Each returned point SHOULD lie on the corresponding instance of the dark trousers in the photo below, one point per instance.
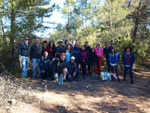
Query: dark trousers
(116, 69)
(44, 75)
(108, 66)
(131, 73)
(73, 78)
(83, 65)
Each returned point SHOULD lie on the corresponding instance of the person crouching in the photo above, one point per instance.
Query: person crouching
(72, 70)
(45, 64)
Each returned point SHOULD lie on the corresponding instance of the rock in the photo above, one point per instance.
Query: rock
(68, 86)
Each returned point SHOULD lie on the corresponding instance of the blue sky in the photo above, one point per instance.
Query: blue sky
(56, 17)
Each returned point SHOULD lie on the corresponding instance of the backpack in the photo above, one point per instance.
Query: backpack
(115, 77)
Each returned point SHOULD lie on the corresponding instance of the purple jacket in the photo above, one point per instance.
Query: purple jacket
(84, 55)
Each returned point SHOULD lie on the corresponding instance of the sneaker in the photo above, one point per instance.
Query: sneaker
(96, 75)
(84, 77)
(93, 74)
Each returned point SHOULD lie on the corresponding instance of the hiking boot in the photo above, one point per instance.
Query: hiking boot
(123, 80)
(132, 82)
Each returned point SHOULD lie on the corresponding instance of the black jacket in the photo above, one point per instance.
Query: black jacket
(36, 52)
(88, 48)
(23, 49)
(57, 66)
(93, 57)
(71, 68)
(45, 63)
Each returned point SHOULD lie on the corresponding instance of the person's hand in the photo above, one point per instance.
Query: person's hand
(19, 58)
(99, 55)
(61, 75)
(69, 76)
(74, 74)
(53, 59)
(83, 60)
(43, 71)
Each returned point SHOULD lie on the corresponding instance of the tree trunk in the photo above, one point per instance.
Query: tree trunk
(136, 22)
(4, 36)
(12, 35)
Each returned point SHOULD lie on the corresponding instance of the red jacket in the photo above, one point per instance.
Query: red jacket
(45, 49)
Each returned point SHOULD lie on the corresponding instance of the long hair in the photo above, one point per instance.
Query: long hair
(50, 44)
(127, 48)
(68, 45)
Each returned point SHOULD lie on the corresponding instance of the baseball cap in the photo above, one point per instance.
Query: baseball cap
(60, 41)
(72, 58)
(62, 54)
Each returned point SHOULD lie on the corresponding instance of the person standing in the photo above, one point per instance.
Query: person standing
(23, 51)
(35, 55)
(84, 56)
(52, 48)
(93, 62)
(45, 47)
(76, 54)
(114, 57)
(128, 60)
(99, 53)
(60, 49)
(69, 53)
(107, 50)
(88, 48)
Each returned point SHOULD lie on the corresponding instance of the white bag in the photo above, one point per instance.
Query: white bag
(106, 76)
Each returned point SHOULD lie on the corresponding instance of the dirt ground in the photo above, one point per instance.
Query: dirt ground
(84, 96)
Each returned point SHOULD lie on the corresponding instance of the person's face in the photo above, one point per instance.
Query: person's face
(83, 48)
(45, 53)
(106, 44)
(51, 43)
(93, 50)
(62, 57)
(72, 61)
(45, 44)
(86, 44)
(98, 45)
(37, 41)
(77, 45)
(60, 43)
(128, 50)
(69, 47)
(26, 41)
(113, 50)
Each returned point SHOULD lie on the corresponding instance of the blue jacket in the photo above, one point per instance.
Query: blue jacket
(132, 59)
(23, 49)
(71, 68)
(76, 53)
(114, 58)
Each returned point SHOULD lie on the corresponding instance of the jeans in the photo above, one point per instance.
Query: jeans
(36, 61)
(116, 69)
(131, 73)
(24, 66)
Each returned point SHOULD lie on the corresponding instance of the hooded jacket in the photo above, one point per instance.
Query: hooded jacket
(114, 58)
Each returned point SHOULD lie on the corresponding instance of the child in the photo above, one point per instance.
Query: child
(93, 62)
(114, 57)
(128, 61)
(84, 55)
(99, 53)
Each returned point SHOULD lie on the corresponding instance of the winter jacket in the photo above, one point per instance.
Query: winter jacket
(132, 59)
(57, 66)
(45, 49)
(60, 50)
(45, 63)
(93, 58)
(36, 52)
(71, 68)
(68, 58)
(23, 49)
(114, 58)
(99, 52)
(76, 53)
(84, 55)
(88, 48)
(107, 51)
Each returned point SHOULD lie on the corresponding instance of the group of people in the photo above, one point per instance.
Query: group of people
(64, 60)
